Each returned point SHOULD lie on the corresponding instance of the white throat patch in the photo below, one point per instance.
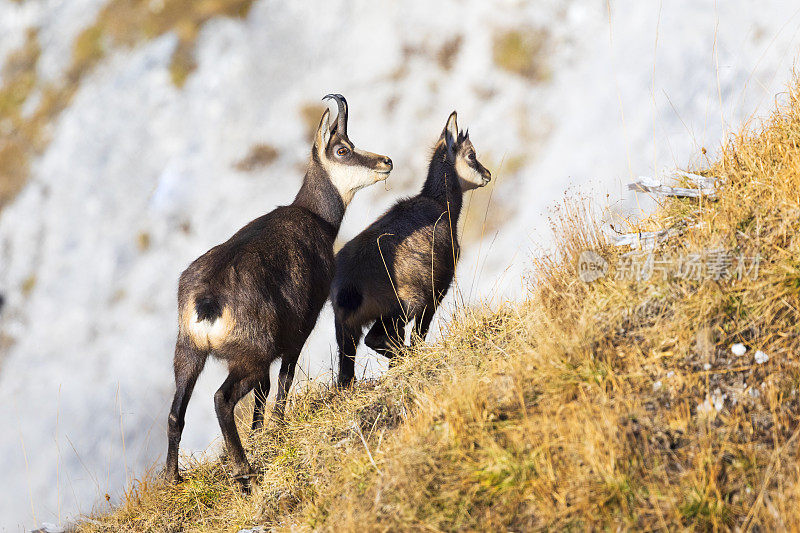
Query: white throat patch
(468, 177)
(349, 178)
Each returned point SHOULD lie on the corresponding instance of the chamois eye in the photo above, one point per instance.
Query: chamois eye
(472, 156)
(341, 152)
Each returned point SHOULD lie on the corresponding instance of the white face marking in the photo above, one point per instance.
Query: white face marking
(350, 178)
(468, 176)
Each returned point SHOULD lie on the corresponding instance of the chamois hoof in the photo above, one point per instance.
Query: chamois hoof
(245, 480)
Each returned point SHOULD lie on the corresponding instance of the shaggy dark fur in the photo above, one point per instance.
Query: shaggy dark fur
(256, 297)
(402, 265)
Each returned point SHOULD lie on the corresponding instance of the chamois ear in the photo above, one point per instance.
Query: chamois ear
(450, 133)
(323, 131)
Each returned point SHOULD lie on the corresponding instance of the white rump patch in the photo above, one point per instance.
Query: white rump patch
(206, 334)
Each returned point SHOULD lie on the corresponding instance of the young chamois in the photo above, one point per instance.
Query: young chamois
(401, 266)
(256, 297)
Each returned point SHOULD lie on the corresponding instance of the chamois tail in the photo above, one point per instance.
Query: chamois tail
(349, 298)
(208, 307)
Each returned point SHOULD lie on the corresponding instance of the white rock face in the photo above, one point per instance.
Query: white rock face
(134, 156)
(58, 23)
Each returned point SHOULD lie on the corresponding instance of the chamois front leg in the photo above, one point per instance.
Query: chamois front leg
(260, 394)
(285, 378)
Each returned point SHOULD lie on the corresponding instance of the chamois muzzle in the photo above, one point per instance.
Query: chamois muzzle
(486, 175)
(341, 104)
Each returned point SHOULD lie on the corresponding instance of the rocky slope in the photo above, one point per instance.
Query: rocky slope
(137, 175)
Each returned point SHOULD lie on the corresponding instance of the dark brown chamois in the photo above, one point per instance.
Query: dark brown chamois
(256, 297)
(401, 266)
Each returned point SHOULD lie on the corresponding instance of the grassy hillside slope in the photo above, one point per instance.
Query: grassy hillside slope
(589, 405)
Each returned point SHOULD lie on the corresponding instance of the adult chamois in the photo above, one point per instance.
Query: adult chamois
(256, 297)
(402, 265)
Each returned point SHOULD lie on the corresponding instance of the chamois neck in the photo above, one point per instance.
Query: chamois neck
(318, 195)
(442, 183)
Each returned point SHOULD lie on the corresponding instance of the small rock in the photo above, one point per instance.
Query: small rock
(718, 400)
(705, 407)
(713, 403)
(656, 386)
(649, 181)
(707, 366)
(761, 357)
(47, 527)
(738, 349)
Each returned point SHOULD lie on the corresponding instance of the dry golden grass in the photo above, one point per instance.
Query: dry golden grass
(484, 213)
(579, 408)
(259, 156)
(310, 115)
(121, 23)
(19, 81)
(447, 54)
(127, 22)
(522, 51)
(487, 209)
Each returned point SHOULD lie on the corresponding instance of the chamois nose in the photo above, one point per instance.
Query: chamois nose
(388, 162)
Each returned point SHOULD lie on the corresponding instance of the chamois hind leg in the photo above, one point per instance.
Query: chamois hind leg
(285, 378)
(235, 387)
(260, 393)
(387, 335)
(422, 323)
(189, 362)
(347, 338)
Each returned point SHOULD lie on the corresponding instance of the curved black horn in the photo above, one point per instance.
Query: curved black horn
(342, 105)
